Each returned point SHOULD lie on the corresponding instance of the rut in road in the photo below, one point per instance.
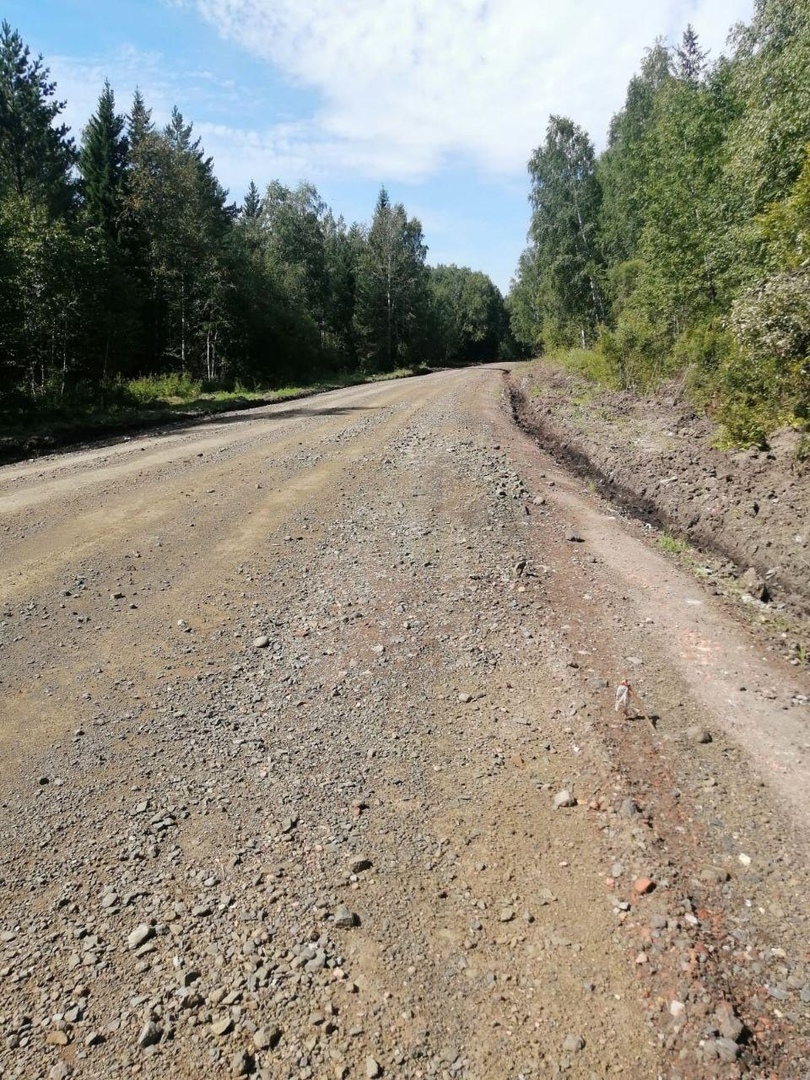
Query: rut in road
(338, 854)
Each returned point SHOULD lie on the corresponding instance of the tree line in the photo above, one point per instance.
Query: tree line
(122, 257)
(684, 248)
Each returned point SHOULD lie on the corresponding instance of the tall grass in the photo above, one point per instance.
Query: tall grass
(171, 387)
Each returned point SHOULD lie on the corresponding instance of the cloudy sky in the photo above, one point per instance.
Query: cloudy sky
(442, 101)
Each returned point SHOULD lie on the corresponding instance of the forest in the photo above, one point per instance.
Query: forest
(679, 254)
(126, 273)
(682, 252)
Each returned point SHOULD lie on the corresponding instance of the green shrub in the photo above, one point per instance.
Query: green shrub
(589, 363)
(637, 352)
(173, 386)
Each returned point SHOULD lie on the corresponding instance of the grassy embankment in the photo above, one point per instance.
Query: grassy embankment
(746, 410)
(29, 425)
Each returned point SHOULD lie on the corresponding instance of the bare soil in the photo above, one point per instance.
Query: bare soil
(287, 702)
(657, 458)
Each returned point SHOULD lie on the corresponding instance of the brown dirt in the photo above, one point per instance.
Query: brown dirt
(441, 661)
(658, 459)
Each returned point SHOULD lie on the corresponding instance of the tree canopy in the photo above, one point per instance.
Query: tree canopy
(682, 247)
(127, 258)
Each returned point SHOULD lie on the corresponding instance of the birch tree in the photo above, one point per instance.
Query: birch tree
(565, 198)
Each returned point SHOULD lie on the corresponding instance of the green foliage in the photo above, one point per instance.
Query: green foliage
(771, 77)
(565, 197)
(772, 327)
(683, 216)
(785, 225)
(171, 386)
(36, 154)
(469, 316)
(46, 294)
(392, 295)
(672, 544)
(701, 210)
(636, 351)
(623, 168)
(591, 364)
(524, 303)
(103, 161)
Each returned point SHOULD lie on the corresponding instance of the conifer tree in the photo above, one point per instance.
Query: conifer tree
(252, 205)
(36, 153)
(139, 123)
(689, 62)
(391, 287)
(103, 160)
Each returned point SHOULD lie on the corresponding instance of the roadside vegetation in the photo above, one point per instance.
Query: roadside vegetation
(130, 283)
(33, 424)
(682, 250)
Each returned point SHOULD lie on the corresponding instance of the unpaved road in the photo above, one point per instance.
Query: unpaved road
(335, 853)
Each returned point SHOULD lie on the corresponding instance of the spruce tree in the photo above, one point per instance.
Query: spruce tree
(103, 161)
(36, 154)
(140, 121)
(392, 292)
(690, 60)
(252, 206)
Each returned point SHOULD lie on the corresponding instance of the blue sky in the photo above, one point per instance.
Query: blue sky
(442, 101)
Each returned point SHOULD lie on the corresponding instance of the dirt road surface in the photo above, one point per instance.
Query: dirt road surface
(290, 702)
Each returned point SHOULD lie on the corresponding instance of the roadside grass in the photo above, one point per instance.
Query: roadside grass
(673, 544)
(89, 412)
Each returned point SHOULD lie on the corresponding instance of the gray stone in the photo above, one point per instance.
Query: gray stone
(507, 914)
(266, 1038)
(150, 1034)
(573, 1044)
(721, 1050)
(344, 917)
(241, 1064)
(714, 875)
(564, 798)
(222, 1027)
(699, 735)
(140, 935)
(729, 1025)
(261, 642)
(317, 963)
(373, 1068)
(754, 585)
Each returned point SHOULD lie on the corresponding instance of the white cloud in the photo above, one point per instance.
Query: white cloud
(403, 86)
(408, 85)
(80, 82)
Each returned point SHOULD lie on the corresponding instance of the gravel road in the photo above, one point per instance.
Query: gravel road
(311, 765)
